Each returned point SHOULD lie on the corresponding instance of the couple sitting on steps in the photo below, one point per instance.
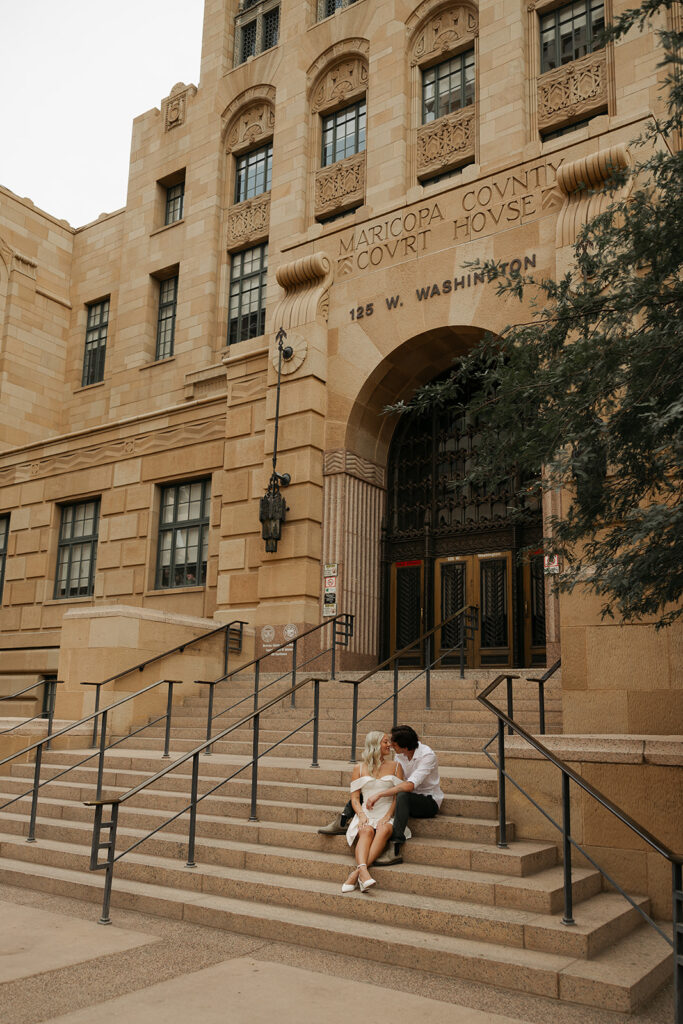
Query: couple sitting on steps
(385, 792)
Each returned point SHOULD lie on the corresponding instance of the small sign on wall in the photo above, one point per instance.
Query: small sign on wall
(551, 564)
(330, 578)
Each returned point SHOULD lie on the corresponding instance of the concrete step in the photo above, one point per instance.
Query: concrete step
(326, 752)
(618, 979)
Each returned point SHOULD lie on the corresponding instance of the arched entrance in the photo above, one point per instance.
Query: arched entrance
(447, 543)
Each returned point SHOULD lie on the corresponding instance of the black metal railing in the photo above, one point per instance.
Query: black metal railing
(47, 711)
(468, 617)
(568, 775)
(195, 798)
(342, 631)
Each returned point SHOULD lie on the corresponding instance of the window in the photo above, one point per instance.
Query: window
(183, 534)
(257, 28)
(77, 549)
(328, 7)
(168, 297)
(568, 128)
(4, 535)
(571, 32)
(448, 87)
(247, 311)
(95, 342)
(175, 202)
(253, 173)
(343, 133)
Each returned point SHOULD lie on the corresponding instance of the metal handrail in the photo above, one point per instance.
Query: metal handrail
(569, 774)
(342, 631)
(469, 613)
(195, 798)
(50, 698)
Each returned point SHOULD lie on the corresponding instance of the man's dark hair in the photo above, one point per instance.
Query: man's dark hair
(404, 736)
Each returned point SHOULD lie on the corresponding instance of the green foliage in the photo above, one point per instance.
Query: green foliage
(591, 389)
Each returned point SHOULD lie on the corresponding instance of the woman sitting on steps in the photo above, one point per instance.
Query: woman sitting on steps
(376, 772)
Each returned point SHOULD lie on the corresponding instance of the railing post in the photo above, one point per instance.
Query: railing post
(169, 709)
(94, 721)
(100, 760)
(31, 837)
(567, 852)
(333, 674)
(541, 706)
(292, 699)
(502, 825)
(257, 674)
(316, 715)
(428, 680)
(226, 649)
(354, 723)
(395, 692)
(51, 698)
(193, 813)
(462, 622)
(209, 715)
(109, 871)
(677, 908)
(254, 768)
(510, 710)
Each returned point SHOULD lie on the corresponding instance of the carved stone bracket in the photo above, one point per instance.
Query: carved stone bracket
(174, 107)
(446, 142)
(306, 283)
(340, 186)
(248, 221)
(341, 461)
(582, 184)
(573, 91)
(441, 31)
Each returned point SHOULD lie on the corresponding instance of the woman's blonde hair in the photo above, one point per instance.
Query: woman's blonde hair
(372, 754)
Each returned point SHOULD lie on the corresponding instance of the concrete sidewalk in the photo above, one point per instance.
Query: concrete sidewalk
(58, 965)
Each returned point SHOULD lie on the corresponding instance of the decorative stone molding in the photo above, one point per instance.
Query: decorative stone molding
(247, 389)
(174, 107)
(435, 32)
(24, 265)
(253, 125)
(299, 347)
(341, 461)
(203, 383)
(251, 99)
(573, 91)
(446, 142)
(306, 283)
(248, 221)
(582, 183)
(344, 50)
(340, 186)
(344, 81)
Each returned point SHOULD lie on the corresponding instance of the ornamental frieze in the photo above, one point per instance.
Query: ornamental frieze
(248, 221)
(445, 142)
(572, 91)
(340, 186)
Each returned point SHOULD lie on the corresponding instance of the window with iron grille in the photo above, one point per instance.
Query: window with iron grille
(271, 28)
(168, 298)
(183, 534)
(343, 133)
(4, 536)
(175, 202)
(257, 28)
(448, 86)
(77, 549)
(570, 32)
(248, 41)
(328, 7)
(247, 310)
(254, 172)
(95, 342)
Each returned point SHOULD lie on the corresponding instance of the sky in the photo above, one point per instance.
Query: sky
(73, 80)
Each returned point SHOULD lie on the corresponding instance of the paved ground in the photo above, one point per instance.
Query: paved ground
(58, 965)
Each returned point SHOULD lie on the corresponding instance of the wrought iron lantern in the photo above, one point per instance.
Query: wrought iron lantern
(272, 506)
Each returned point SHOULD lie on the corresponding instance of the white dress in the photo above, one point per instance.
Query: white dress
(369, 786)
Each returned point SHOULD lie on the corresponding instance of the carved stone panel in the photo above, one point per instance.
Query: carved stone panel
(573, 91)
(344, 81)
(248, 221)
(340, 186)
(445, 31)
(446, 142)
(254, 124)
(174, 107)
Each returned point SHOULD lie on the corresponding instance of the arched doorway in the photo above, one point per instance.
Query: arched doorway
(447, 543)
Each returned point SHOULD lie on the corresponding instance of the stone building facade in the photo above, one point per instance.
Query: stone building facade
(331, 175)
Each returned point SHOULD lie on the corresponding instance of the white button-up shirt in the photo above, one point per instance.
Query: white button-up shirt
(422, 769)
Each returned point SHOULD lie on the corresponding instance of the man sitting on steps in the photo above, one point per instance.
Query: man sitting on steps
(419, 795)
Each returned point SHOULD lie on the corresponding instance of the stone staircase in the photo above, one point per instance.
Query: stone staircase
(457, 906)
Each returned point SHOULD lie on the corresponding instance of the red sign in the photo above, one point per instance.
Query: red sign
(402, 565)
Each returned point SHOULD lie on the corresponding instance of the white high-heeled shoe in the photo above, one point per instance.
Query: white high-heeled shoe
(364, 886)
(347, 887)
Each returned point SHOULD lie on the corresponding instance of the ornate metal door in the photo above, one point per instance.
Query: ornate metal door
(407, 589)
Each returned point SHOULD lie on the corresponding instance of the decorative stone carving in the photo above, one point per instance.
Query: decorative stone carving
(346, 49)
(24, 265)
(448, 28)
(344, 81)
(573, 91)
(206, 382)
(299, 347)
(255, 97)
(339, 460)
(254, 124)
(582, 183)
(306, 284)
(340, 186)
(174, 107)
(446, 142)
(248, 221)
